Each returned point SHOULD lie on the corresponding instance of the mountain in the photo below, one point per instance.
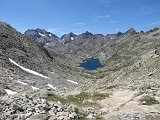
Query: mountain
(85, 35)
(131, 31)
(67, 38)
(41, 36)
(23, 59)
(15, 46)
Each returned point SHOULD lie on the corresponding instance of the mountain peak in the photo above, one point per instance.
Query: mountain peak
(41, 35)
(41, 30)
(86, 35)
(71, 33)
(131, 31)
(67, 38)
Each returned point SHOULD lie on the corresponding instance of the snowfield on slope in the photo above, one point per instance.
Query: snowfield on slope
(10, 92)
(21, 82)
(42, 34)
(34, 88)
(27, 70)
(51, 86)
(72, 82)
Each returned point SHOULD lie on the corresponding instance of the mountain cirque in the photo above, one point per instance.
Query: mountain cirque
(40, 77)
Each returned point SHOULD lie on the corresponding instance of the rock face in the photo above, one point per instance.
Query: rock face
(67, 38)
(22, 50)
(41, 36)
(29, 55)
(131, 31)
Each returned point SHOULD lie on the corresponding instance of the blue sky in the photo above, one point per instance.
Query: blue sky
(96, 16)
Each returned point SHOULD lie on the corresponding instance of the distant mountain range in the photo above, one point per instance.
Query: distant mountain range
(44, 37)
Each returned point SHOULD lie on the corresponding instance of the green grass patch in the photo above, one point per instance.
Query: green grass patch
(79, 98)
(150, 101)
(82, 116)
(99, 118)
(94, 76)
(1, 107)
(93, 105)
(53, 97)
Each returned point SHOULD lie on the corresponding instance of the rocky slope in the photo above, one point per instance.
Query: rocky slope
(24, 60)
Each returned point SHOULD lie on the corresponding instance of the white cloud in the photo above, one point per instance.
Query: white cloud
(106, 2)
(113, 21)
(99, 17)
(65, 30)
(58, 31)
(154, 23)
(80, 23)
(102, 16)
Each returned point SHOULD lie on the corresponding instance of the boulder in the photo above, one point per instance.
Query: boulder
(17, 107)
(90, 117)
(38, 116)
(158, 93)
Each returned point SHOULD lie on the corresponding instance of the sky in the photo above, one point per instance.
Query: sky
(77, 16)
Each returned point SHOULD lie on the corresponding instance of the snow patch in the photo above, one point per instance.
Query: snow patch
(50, 35)
(72, 82)
(51, 86)
(34, 88)
(52, 72)
(27, 70)
(47, 43)
(42, 34)
(72, 38)
(21, 82)
(10, 92)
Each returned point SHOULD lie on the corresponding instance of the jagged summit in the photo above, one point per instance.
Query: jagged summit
(41, 35)
(67, 38)
(86, 35)
(131, 31)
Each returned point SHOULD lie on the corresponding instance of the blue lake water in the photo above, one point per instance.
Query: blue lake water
(91, 64)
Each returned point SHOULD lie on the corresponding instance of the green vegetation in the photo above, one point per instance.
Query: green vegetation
(82, 116)
(79, 98)
(1, 107)
(93, 105)
(53, 97)
(96, 75)
(150, 101)
(99, 118)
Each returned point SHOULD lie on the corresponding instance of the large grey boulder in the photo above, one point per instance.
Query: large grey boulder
(38, 116)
